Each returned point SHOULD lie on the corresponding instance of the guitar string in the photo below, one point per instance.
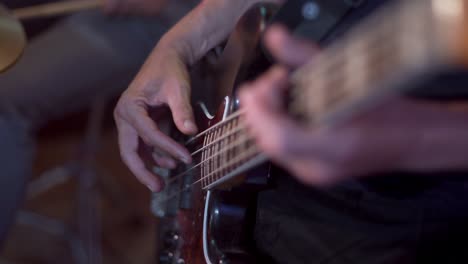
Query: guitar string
(225, 121)
(238, 129)
(202, 178)
(243, 139)
(252, 153)
(208, 159)
(219, 140)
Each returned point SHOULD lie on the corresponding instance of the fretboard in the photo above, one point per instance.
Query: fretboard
(227, 151)
(396, 46)
(399, 45)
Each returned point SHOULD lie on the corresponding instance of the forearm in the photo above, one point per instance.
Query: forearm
(205, 27)
(443, 143)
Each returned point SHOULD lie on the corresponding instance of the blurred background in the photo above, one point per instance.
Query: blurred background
(128, 228)
(76, 164)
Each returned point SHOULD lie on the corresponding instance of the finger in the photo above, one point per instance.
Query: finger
(280, 138)
(128, 143)
(276, 133)
(163, 160)
(260, 99)
(182, 113)
(313, 172)
(266, 125)
(289, 50)
(272, 87)
(152, 136)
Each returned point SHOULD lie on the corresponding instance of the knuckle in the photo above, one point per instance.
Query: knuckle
(117, 112)
(121, 109)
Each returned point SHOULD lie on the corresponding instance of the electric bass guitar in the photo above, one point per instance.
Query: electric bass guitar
(208, 208)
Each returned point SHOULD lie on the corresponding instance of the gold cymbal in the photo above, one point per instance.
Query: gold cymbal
(12, 39)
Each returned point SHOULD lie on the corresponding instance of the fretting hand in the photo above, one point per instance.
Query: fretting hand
(401, 134)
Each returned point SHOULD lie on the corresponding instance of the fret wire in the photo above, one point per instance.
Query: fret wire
(242, 147)
(216, 163)
(232, 137)
(215, 149)
(235, 149)
(221, 145)
(225, 140)
(245, 146)
(207, 160)
(203, 169)
(209, 154)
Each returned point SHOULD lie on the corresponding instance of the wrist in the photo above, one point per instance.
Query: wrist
(172, 48)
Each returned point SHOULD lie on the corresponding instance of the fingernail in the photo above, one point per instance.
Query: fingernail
(185, 160)
(150, 188)
(190, 125)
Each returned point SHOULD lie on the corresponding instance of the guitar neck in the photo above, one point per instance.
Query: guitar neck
(403, 43)
(398, 45)
(228, 150)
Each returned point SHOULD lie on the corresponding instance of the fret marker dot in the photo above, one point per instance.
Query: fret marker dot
(310, 10)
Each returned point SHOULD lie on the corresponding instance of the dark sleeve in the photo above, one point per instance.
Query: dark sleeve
(448, 86)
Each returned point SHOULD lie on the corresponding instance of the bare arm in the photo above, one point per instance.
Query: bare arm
(164, 81)
(205, 27)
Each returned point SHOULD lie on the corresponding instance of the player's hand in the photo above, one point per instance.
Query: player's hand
(401, 134)
(162, 82)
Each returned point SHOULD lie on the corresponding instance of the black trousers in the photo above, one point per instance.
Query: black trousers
(355, 223)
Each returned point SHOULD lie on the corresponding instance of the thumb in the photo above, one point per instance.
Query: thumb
(182, 112)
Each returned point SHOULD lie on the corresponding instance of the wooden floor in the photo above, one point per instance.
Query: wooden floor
(129, 229)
